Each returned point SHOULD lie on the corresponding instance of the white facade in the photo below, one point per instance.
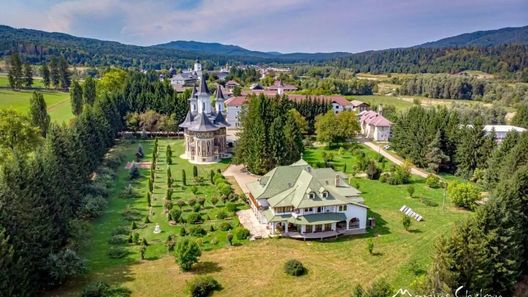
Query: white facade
(502, 130)
(233, 116)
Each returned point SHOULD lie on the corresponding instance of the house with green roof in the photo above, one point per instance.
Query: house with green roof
(303, 202)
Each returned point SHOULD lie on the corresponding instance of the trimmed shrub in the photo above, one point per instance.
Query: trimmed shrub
(175, 215)
(194, 218)
(187, 253)
(202, 286)
(117, 252)
(231, 207)
(122, 230)
(433, 181)
(102, 289)
(118, 239)
(294, 267)
(242, 233)
(225, 226)
(197, 231)
(221, 215)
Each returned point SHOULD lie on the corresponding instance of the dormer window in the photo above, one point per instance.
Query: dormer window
(325, 194)
(311, 195)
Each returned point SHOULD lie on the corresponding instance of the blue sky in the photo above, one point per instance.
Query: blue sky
(268, 25)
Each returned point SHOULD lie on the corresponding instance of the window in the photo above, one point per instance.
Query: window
(311, 195)
(309, 209)
(325, 194)
(342, 207)
(319, 209)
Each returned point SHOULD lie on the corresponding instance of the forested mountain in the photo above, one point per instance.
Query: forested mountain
(510, 61)
(518, 35)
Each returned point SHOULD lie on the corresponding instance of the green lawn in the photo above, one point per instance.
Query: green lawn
(255, 268)
(59, 106)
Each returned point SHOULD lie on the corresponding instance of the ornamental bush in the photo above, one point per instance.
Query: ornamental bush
(294, 267)
(102, 289)
(197, 231)
(202, 286)
(117, 252)
(433, 181)
(187, 253)
(463, 194)
(194, 218)
(225, 226)
(242, 233)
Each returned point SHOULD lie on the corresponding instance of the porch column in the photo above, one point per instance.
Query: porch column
(334, 227)
(273, 228)
(286, 227)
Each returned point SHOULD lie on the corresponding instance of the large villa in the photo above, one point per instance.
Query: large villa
(299, 201)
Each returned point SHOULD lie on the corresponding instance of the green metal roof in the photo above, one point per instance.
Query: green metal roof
(275, 218)
(292, 185)
(318, 218)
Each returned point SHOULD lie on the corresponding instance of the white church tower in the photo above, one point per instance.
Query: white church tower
(197, 68)
(204, 101)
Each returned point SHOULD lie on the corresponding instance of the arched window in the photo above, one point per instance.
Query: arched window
(353, 223)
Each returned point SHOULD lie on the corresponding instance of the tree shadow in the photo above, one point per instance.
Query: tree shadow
(206, 267)
(381, 225)
(415, 231)
(377, 254)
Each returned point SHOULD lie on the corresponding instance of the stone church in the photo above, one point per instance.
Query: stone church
(204, 128)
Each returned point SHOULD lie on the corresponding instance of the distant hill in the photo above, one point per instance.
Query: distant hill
(465, 52)
(517, 35)
(237, 51)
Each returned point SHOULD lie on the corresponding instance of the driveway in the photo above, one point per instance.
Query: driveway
(414, 170)
(241, 176)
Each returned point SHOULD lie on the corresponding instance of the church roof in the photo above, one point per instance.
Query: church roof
(219, 93)
(188, 120)
(203, 86)
(220, 120)
(202, 124)
(193, 92)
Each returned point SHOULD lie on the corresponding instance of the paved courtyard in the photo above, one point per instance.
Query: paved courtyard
(249, 221)
(241, 176)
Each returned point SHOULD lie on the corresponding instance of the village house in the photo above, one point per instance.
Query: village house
(359, 106)
(374, 126)
(187, 78)
(279, 87)
(299, 201)
(235, 105)
(231, 85)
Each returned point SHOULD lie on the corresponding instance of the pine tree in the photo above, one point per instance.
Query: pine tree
(435, 157)
(149, 199)
(195, 171)
(45, 72)
(89, 90)
(28, 76)
(184, 177)
(55, 75)
(521, 116)
(38, 113)
(64, 74)
(76, 98)
(15, 71)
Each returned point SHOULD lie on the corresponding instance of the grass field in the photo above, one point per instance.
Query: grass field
(58, 102)
(375, 100)
(255, 268)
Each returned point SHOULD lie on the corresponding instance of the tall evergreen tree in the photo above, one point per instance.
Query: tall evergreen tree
(521, 116)
(89, 91)
(64, 73)
(28, 76)
(435, 157)
(76, 98)
(45, 72)
(55, 74)
(38, 112)
(15, 71)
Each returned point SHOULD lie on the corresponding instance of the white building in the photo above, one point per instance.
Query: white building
(502, 130)
(299, 201)
(374, 126)
(234, 106)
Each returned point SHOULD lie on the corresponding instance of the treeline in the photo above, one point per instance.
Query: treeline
(310, 108)
(56, 73)
(508, 61)
(487, 253)
(439, 140)
(331, 86)
(47, 190)
(245, 76)
(271, 135)
(459, 87)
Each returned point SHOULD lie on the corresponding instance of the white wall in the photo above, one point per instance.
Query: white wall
(233, 116)
(354, 211)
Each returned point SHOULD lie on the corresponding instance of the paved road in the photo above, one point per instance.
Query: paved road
(414, 170)
(241, 176)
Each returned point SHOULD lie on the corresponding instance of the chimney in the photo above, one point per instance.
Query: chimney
(337, 180)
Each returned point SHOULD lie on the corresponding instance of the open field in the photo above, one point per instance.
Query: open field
(375, 100)
(255, 268)
(59, 106)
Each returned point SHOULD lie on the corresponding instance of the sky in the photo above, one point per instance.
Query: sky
(268, 25)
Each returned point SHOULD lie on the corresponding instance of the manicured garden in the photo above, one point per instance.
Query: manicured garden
(400, 255)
